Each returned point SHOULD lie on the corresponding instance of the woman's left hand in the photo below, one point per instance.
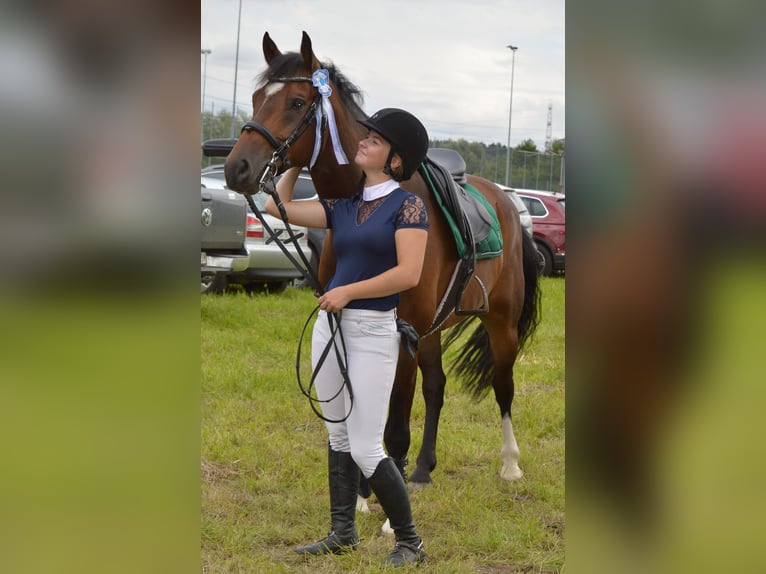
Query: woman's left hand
(335, 299)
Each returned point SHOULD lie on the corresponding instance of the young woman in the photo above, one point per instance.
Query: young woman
(379, 238)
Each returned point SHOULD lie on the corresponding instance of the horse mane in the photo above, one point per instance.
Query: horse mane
(287, 64)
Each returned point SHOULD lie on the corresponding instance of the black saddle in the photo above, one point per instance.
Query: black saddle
(445, 170)
(470, 215)
(451, 160)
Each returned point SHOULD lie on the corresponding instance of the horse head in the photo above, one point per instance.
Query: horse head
(296, 107)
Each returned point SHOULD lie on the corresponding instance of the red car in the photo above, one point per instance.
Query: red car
(548, 227)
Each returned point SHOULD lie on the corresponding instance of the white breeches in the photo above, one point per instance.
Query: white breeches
(372, 348)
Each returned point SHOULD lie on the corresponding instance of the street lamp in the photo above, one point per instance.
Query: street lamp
(204, 52)
(510, 112)
(236, 66)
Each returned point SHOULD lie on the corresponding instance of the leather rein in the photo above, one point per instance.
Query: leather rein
(266, 184)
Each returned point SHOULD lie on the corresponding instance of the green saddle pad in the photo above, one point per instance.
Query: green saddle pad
(492, 245)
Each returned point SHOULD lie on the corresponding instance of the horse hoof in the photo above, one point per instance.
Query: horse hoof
(416, 486)
(361, 505)
(386, 529)
(511, 473)
(421, 477)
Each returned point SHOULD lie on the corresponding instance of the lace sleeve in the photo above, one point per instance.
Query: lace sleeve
(329, 205)
(412, 213)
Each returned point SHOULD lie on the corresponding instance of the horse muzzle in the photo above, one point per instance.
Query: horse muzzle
(245, 176)
(240, 175)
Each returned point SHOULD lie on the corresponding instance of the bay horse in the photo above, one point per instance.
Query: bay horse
(292, 125)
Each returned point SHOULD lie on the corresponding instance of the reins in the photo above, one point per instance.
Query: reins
(266, 184)
(333, 318)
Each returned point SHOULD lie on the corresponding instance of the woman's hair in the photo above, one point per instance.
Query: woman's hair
(397, 172)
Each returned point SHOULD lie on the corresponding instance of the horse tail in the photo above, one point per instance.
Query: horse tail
(530, 311)
(474, 363)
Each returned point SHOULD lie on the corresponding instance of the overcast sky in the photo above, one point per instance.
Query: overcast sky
(445, 61)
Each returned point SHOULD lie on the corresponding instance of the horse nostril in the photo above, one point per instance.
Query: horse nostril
(237, 172)
(243, 167)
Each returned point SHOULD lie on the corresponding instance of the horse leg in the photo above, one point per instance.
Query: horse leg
(434, 380)
(509, 451)
(363, 495)
(504, 342)
(397, 433)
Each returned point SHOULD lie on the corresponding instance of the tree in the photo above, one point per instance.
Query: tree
(527, 145)
(219, 125)
(557, 146)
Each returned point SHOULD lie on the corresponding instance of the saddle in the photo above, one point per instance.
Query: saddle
(470, 213)
(473, 222)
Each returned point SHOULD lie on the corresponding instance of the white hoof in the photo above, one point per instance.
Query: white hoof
(509, 472)
(361, 505)
(386, 529)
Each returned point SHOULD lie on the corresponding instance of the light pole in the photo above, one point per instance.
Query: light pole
(204, 52)
(236, 66)
(510, 113)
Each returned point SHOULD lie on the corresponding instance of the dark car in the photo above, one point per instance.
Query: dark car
(547, 210)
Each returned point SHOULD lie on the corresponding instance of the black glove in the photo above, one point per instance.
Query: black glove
(410, 337)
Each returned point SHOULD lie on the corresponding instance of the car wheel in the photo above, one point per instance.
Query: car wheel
(545, 267)
(213, 283)
(261, 287)
(276, 286)
(254, 287)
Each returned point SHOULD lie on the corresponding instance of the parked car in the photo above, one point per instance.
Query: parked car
(547, 210)
(304, 189)
(223, 223)
(521, 207)
(267, 266)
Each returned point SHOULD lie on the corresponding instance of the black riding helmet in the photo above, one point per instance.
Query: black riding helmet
(405, 133)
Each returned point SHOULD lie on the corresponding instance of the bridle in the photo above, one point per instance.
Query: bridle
(280, 148)
(270, 170)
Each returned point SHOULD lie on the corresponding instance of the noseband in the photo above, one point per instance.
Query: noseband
(280, 148)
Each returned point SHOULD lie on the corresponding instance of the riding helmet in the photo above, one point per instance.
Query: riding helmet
(405, 133)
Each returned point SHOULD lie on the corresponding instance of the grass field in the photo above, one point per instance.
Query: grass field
(263, 460)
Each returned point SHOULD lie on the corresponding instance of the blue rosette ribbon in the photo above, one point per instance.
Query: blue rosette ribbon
(320, 79)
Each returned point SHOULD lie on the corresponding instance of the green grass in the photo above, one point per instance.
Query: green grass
(263, 466)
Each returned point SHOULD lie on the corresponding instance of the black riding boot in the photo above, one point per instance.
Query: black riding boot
(343, 475)
(388, 485)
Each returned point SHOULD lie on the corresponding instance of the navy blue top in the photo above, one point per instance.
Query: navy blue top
(363, 239)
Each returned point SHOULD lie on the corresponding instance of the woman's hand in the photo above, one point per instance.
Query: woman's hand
(285, 187)
(335, 299)
(308, 213)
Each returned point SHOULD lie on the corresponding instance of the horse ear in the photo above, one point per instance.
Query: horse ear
(270, 50)
(308, 54)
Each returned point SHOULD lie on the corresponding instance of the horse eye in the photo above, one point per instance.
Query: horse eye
(298, 103)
